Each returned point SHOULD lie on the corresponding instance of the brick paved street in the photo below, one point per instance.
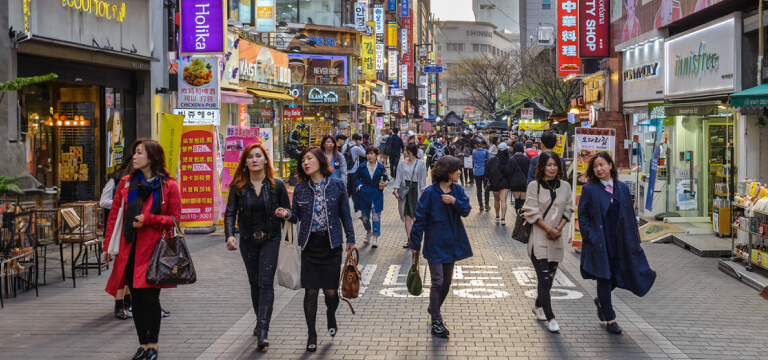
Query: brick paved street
(694, 311)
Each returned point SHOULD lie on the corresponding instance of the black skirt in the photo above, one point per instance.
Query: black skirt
(320, 265)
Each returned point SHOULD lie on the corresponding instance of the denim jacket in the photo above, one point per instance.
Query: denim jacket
(337, 212)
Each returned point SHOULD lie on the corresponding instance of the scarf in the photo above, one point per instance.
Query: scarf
(139, 191)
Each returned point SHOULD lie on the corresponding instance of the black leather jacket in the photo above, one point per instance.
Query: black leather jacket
(239, 205)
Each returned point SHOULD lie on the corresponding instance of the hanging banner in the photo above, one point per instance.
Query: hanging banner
(369, 54)
(404, 76)
(238, 138)
(379, 18)
(568, 61)
(203, 27)
(379, 55)
(594, 29)
(588, 143)
(652, 173)
(242, 118)
(265, 15)
(391, 5)
(304, 139)
(391, 36)
(170, 139)
(405, 6)
(392, 65)
(198, 177)
(267, 140)
(361, 15)
(560, 145)
(533, 125)
(199, 83)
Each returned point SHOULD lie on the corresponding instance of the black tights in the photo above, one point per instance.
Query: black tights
(146, 306)
(310, 308)
(545, 274)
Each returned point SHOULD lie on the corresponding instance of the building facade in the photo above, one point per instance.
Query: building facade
(504, 14)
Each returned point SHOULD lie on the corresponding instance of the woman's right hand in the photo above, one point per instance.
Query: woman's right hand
(397, 195)
(106, 257)
(553, 233)
(231, 243)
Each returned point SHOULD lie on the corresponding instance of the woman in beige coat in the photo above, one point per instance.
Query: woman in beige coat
(548, 207)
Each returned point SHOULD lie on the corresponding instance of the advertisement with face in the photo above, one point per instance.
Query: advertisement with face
(115, 139)
(318, 69)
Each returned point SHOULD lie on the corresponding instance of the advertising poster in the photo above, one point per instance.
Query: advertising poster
(568, 61)
(318, 69)
(237, 139)
(369, 54)
(170, 139)
(267, 139)
(197, 176)
(588, 143)
(230, 63)
(265, 15)
(560, 145)
(202, 17)
(199, 83)
(115, 139)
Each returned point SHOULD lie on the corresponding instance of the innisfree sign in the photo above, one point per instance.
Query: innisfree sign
(315, 95)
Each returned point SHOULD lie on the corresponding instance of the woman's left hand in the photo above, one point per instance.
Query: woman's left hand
(350, 247)
(282, 213)
(139, 222)
(448, 199)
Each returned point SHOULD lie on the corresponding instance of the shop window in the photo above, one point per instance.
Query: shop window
(241, 10)
(287, 10)
(326, 12)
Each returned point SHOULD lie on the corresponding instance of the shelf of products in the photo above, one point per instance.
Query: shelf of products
(750, 208)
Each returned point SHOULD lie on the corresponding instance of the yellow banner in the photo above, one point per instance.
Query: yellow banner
(560, 146)
(369, 54)
(392, 36)
(170, 139)
(533, 125)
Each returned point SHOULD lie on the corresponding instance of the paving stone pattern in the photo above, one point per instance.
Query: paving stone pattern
(694, 311)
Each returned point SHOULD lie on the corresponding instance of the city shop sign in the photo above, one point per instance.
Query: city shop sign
(99, 8)
(641, 72)
(696, 63)
(315, 95)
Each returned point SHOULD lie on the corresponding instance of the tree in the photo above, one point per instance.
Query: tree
(485, 78)
(539, 80)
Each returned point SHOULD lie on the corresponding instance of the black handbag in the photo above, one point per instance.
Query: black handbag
(171, 262)
(523, 229)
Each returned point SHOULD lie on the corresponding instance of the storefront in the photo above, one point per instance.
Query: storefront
(79, 127)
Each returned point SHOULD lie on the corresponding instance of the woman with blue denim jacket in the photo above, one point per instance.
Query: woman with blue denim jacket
(370, 180)
(321, 207)
(438, 219)
(337, 161)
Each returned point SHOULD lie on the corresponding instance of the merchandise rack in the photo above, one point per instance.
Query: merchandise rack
(750, 244)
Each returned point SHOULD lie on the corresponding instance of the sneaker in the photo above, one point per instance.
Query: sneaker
(503, 222)
(487, 208)
(121, 314)
(375, 242)
(539, 312)
(553, 326)
(613, 328)
(496, 219)
(439, 330)
(165, 313)
(129, 311)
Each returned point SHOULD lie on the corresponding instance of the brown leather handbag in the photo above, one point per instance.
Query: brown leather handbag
(171, 263)
(350, 279)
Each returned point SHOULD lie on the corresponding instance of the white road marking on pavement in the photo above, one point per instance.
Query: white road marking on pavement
(526, 276)
(366, 272)
(565, 294)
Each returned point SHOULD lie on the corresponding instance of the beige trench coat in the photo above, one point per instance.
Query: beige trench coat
(536, 202)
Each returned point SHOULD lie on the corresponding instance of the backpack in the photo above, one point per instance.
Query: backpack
(439, 153)
(387, 148)
(348, 157)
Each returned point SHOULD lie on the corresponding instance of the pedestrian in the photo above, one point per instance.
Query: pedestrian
(383, 140)
(412, 140)
(321, 207)
(436, 151)
(500, 176)
(341, 139)
(123, 301)
(254, 197)
(548, 211)
(480, 158)
(548, 143)
(395, 146)
(336, 160)
(438, 221)
(366, 140)
(370, 181)
(153, 206)
(412, 175)
(495, 141)
(465, 154)
(519, 164)
(531, 152)
(354, 155)
(611, 251)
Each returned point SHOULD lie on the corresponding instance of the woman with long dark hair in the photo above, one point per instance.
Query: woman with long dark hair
(336, 160)
(411, 175)
(548, 207)
(321, 206)
(499, 176)
(611, 251)
(519, 163)
(153, 206)
(254, 197)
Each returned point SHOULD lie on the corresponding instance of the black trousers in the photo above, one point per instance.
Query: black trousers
(467, 176)
(260, 258)
(441, 275)
(480, 182)
(545, 276)
(393, 161)
(146, 305)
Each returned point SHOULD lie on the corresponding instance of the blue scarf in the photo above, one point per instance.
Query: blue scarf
(138, 192)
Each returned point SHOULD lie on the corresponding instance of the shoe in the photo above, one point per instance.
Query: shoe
(140, 354)
(375, 242)
(503, 222)
(312, 343)
(600, 313)
(407, 244)
(496, 219)
(332, 327)
(553, 326)
(151, 354)
(122, 314)
(613, 328)
(539, 314)
(439, 330)
(487, 208)
(265, 315)
(164, 313)
(129, 311)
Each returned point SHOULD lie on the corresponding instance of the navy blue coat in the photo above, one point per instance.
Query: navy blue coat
(337, 211)
(636, 274)
(445, 239)
(369, 193)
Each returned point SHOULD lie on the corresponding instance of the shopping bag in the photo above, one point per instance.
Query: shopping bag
(289, 259)
(413, 281)
(117, 230)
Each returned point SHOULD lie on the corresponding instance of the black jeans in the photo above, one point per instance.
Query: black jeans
(441, 274)
(146, 305)
(260, 258)
(467, 176)
(545, 274)
(604, 288)
(480, 182)
(393, 161)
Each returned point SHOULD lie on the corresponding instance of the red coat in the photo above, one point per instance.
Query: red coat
(146, 237)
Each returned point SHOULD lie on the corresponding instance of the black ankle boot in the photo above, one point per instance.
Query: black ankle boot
(140, 354)
(265, 314)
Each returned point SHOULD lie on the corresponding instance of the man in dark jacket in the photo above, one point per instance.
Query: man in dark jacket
(395, 144)
(549, 140)
(435, 152)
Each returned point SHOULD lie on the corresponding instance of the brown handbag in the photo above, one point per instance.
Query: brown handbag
(171, 263)
(350, 279)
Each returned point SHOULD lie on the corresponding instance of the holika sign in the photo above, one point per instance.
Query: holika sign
(203, 27)
(315, 95)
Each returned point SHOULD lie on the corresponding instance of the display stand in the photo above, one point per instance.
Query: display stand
(751, 217)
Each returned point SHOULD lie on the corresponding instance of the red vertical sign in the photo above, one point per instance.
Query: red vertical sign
(594, 29)
(568, 38)
(243, 115)
(408, 25)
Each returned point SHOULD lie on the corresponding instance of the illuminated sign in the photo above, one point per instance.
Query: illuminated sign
(99, 8)
(315, 95)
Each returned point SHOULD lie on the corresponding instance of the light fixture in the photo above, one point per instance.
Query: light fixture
(58, 123)
(574, 111)
(722, 106)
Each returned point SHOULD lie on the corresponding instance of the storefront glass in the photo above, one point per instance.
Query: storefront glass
(317, 12)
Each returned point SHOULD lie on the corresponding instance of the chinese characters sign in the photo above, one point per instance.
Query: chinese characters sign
(203, 27)
(238, 138)
(199, 83)
(594, 29)
(198, 178)
(303, 131)
(568, 39)
(369, 55)
(588, 143)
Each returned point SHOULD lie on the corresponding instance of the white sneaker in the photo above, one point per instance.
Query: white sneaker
(496, 219)
(503, 222)
(375, 242)
(539, 314)
(553, 326)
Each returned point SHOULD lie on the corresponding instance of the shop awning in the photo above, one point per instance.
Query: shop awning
(232, 97)
(755, 97)
(271, 95)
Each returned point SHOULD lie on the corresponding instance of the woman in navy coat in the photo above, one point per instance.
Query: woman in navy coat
(438, 220)
(611, 251)
(370, 180)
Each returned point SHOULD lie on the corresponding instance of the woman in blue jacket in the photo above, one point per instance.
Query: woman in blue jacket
(371, 179)
(611, 251)
(438, 219)
(321, 207)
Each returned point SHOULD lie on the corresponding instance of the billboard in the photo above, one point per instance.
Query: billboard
(568, 61)
(594, 29)
(318, 69)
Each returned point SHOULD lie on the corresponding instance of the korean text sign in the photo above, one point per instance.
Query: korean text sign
(568, 38)
(238, 138)
(588, 143)
(369, 54)
(203, 27)
(594, 28)
(198, 177)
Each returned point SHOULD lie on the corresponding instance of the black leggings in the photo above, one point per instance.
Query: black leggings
(260, 258)
(480, 182)
(545, 274)
(146, 305)
(310, 308)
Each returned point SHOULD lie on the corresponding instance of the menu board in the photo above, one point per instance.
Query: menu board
(197, 175)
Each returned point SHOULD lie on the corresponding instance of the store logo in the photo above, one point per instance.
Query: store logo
(696, 63)
(99, 8)
(641, 72)
(316, 95)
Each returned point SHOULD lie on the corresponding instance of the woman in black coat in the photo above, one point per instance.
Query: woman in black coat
(519, 163)
(499, 175)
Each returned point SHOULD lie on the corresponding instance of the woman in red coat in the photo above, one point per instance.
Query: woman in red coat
(152, 204)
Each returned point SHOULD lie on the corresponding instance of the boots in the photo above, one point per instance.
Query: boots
(265, 314)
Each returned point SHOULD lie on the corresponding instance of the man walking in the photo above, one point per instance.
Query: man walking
(353, 153)
(549, 141)
(395, 145)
